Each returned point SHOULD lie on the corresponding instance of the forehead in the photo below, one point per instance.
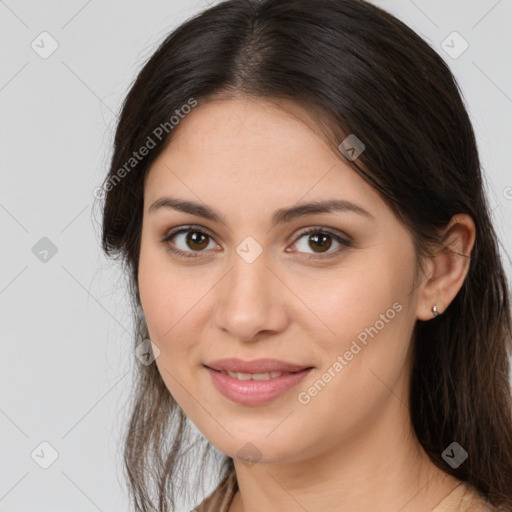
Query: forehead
(255, 151)
(242, 124)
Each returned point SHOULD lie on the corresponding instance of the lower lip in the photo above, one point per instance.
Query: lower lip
(255, 392)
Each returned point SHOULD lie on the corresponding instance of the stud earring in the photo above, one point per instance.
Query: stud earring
(434, 310)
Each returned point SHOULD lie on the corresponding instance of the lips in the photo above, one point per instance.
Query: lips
(255, 382)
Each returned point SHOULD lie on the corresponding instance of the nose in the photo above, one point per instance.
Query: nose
(251, 300)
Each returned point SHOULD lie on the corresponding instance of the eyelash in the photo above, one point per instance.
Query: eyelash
(315, 229)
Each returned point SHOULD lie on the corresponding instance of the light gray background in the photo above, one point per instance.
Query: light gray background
(65, 323)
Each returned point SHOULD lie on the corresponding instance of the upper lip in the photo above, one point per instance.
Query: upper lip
(255, 366)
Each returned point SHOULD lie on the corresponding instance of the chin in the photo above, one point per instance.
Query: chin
(259, 447)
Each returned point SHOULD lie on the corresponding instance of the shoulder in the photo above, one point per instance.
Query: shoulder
(464, 498)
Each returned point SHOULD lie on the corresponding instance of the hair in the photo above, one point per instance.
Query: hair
(355, 69)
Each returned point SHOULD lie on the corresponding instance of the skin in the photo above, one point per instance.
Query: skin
(352, 446)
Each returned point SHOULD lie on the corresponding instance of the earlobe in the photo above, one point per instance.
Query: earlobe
(450, 266)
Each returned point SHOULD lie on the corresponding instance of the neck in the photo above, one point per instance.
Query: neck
(381, 467)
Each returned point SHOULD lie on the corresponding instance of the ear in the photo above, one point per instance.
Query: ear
(447, 269)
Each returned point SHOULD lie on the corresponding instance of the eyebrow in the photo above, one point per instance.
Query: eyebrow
(280, 216)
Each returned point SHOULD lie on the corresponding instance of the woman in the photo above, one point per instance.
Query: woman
(259, 136)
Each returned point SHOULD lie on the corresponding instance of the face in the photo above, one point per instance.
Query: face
(330, 291)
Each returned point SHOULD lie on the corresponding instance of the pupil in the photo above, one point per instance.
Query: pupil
(192, 238)
(318, 240)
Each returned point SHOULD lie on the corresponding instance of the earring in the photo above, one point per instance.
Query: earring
(434, 310)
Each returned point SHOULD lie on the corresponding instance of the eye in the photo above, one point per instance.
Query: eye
(186, 238)
(320, 241)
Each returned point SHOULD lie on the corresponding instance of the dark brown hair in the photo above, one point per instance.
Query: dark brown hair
(357, 70)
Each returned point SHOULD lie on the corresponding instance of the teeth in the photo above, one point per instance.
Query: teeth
(254, 376)
(240, 376)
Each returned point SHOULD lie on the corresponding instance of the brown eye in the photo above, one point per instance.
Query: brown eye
(187, 241)
(320, 241)
(196, 240)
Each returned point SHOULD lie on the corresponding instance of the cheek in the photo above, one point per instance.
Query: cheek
(346, 302)
(175, 304)
(167, 296)
(370, 316)
(154, 293)
(168, 306)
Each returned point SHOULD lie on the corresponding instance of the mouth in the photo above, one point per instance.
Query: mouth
(256, 367)
(253, 376)
(268, 380)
